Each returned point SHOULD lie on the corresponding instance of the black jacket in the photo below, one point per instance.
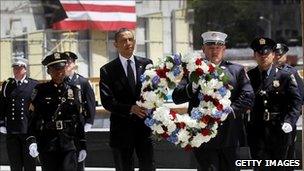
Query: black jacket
(14, 105)
(56, 117)
(117, 97)
(88, 96)
(278, 95)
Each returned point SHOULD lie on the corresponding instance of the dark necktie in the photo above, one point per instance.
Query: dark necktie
(130, 75)
(19, 83)
(264, 75)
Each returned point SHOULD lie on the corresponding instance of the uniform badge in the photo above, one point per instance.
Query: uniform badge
(262, 41)
(25, 81)
(70, 94)
(56, 55)
(276, 83)
(214, 35)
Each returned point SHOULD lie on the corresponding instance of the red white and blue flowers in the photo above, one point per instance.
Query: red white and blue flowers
(186, 130)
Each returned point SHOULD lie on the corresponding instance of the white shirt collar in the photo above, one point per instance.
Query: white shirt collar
(123, 60)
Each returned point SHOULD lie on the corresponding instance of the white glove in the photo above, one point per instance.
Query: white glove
(3, 130)
(33, 150)
(87, 127)
(194, 87)
(82, 155)
(286, 127)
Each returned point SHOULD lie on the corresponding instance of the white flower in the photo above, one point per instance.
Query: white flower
(158, 129)
(197, 140)
(183, 135)
(169, 65)
(170, 76)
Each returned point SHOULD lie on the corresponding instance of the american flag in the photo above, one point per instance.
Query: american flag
(98, 15)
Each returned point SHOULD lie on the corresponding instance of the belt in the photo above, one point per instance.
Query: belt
(59, 125)
(269, 116)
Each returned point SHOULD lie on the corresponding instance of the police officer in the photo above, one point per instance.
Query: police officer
(220, 152)
(87, 93)
(280, 60)
(15, 116)
(273, 118)
(56, 119)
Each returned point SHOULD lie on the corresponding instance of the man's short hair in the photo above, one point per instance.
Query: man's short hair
(117, 34)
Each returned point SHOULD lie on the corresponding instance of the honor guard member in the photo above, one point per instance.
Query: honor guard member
(56, 120)
(87, 94)
(14, 115)
(220, 152)
(276, 108)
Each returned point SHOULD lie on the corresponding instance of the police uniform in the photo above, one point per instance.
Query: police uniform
(220, 152)
(277, 102)
(281, 49)
(87, 94)
(56, 121)
(15, 116)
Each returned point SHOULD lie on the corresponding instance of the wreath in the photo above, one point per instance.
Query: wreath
(199, 126)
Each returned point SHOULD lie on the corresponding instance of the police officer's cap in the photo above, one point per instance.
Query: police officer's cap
(281, 49)
(70, 55)
(56, 60)
(214, 37)
(19, 61)
(263, 45)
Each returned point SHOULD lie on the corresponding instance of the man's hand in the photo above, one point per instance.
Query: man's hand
(33, 150)
(3, 130)
(82, 155)
(139, 111)
(87, 127)
(286, 127)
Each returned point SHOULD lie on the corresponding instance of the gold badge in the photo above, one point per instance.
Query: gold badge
(68, 54)
(70, 94)
(276, 83)
(262, 41)
(56, 55)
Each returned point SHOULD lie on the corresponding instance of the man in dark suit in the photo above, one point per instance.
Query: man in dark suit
(56, 124)
(87, 93)
(120, 88)
(220, 152)
(14, 115)
(273, 118)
